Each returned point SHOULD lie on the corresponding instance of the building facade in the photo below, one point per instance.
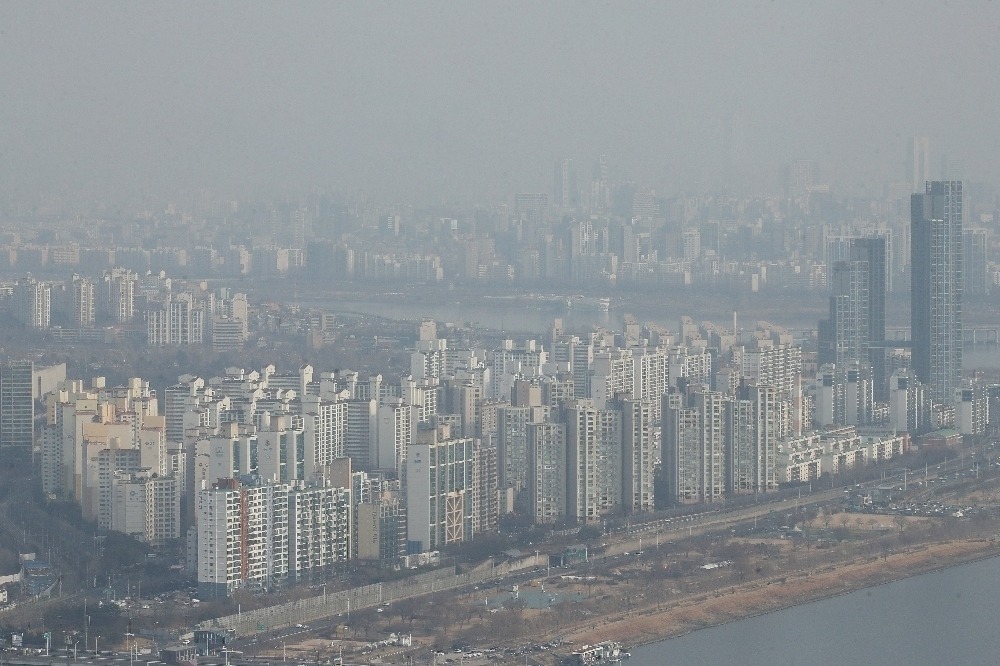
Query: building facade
(936, 287)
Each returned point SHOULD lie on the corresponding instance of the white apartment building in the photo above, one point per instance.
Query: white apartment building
(806, 458)
(146, 507)
(440, 493)
(640, 453)
(512, 360)
(770, 364)
(324, 426)
(429, 359)
(546, 467)
(381, 533)
(650, 376)
(281, 449)
(32, 306)
(422, 395)
(612, 375)
(692, 364)
(232, 453)
(91, 433)
(593, 462)
(178, 321)
(116, 300)
(187, 395)
(242, 534)
(512, 443)
(752, 427)
(971, 409)
(395, 435)
(694, 453)
(319, 529)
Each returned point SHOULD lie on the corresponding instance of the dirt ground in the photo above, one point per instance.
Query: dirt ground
(763, 596)
(668, 591)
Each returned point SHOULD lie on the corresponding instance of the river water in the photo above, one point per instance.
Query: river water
(519, 320)
(945, 617)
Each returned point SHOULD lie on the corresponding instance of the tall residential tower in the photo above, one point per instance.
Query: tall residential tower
(855, 330)
(936, 287)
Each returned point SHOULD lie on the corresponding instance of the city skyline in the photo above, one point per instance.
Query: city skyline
(609, 304)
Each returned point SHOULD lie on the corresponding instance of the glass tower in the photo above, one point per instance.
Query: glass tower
(936, 287)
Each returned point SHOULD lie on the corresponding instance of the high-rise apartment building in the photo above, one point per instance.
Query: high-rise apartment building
(612, 376)
(441, 495)
(752, 425)
(936, 287)
(146, 506)
(381, 527)
(394, 435)
(32, 303)
(116, 302)
(579, 355)
(319, 529)
(694, 451)
(281, 449)
(855, 330)
(512, 444)
(975, 255)
(640, 453)
(547, 471)
(360, 440)
(82, 302)
(971, 409)
(325, 430)
(176, 322)
(593, 462)
(242, 538)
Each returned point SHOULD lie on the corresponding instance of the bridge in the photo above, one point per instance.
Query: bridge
(980, 336)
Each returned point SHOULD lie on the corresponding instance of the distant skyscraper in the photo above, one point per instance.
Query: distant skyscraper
(975, 252)
(951, 168)
(936, 287)
(802, 177)
(855, 331)
(564, 191)
(600, 193)
(920, 155)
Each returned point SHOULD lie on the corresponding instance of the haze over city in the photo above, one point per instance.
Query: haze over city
(498, 333)
(471, 102)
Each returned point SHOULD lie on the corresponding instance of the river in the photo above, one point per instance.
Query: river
(513, 316)
(944, 617)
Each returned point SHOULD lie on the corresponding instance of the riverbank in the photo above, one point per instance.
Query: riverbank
(658, 622)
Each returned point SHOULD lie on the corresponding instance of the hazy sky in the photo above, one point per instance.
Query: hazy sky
(427, 101)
